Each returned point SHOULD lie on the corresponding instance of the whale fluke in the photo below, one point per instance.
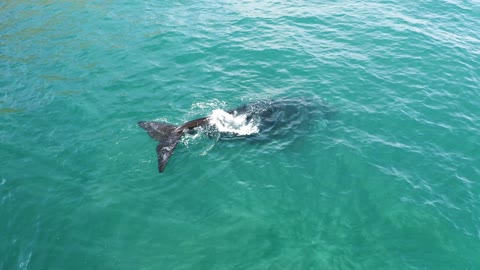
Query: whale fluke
(165, 149)
(168, 135)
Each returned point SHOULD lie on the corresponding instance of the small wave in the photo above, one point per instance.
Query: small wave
(214, 103)
(233, 123)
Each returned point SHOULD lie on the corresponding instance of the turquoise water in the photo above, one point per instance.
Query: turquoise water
(391, 181)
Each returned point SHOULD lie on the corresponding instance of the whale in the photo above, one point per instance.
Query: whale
(266, 120)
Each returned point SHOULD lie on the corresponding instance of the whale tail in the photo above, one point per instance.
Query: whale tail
(168, 136)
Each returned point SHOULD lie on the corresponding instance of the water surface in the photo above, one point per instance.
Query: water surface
(389, 182)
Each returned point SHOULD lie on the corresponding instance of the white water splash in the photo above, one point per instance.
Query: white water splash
(232, 123)
(190, 139)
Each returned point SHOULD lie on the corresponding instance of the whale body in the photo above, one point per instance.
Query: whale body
(268, 118)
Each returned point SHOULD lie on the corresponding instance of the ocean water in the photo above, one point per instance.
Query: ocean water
(390, 181)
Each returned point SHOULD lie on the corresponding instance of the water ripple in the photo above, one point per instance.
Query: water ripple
(393, 172)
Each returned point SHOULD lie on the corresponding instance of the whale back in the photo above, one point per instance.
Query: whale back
(283, 117)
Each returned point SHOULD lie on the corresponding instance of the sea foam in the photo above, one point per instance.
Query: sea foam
(233, 123)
